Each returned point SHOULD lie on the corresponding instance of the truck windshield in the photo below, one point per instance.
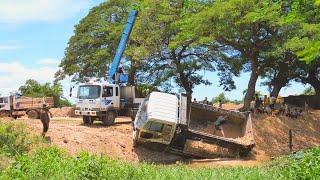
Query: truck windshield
(89, 92)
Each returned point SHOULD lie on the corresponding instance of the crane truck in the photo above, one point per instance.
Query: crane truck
(106, 100)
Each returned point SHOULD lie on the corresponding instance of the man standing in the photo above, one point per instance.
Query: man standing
(218, 124)
(45, 119)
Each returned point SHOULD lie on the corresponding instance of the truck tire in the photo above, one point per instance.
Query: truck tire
(33, 114)
(86, 119)
(109, 119)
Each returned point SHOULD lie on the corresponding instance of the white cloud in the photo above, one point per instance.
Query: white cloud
(4, 47)
(20, 11)
(14, 74)
(48, 62)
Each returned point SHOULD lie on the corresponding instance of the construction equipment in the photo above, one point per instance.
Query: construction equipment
(106, 100)
(163, 122)
(16, 106)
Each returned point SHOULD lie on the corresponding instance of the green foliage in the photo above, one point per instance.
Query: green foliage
(32, 88)
(144, 89)
(14, 139)
(52, 163)
(308, 91)
(221, 97)
(302, 165)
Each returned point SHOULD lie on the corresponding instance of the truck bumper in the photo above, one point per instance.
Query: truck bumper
(86, 113)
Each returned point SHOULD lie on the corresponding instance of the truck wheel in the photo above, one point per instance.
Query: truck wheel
(109, 119)
(33, 114)
(86, 120)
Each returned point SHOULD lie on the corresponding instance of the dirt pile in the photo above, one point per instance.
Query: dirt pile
(271, 133)
(63, 112)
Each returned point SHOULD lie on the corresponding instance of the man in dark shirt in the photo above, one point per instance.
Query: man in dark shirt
(218, 124)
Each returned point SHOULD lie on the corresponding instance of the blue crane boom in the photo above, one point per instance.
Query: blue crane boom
(121, 47)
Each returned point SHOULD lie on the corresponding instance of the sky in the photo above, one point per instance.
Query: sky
(35, 33)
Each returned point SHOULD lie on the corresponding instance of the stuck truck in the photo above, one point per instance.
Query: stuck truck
(163, 122)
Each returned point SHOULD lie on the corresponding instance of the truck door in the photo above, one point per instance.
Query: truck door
(116, 92)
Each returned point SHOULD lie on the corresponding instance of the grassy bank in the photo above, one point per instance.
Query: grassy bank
(52, 163)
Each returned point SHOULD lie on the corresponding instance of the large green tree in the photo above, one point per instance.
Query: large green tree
(156, 56)
(32, 88)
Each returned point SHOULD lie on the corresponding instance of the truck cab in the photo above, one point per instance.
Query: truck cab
(98, 101)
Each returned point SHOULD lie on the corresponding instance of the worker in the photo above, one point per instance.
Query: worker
(272, 102)
(205, 101)
(306, 106)
(218, 124)
(265, 102)
(194, 100)
(45, 118)
(220, 104)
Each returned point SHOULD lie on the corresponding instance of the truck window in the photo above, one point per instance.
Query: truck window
(117, 91)
(154, 126)
(89, 92)
(107, 91)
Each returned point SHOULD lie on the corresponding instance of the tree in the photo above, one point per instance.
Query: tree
(221, 97)
(157, 56)
(308, 91)
(244, 30)
(32, 88)
(306, 43)
(171, 57)
(92, 47)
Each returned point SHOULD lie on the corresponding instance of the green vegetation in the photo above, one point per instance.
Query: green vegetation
(32, 88)
(221, 97)
(52, 163)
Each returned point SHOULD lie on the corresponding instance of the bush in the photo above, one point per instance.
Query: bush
(302, 165)
(14, 139)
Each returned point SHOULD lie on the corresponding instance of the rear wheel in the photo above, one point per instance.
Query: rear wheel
(86, 120)
(109, 118)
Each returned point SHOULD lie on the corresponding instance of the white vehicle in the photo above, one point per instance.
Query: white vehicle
(104, 101)
(163, 122)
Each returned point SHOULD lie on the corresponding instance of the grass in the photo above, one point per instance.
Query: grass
(53, 163)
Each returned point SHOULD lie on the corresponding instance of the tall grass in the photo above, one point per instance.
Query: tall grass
(52, 163)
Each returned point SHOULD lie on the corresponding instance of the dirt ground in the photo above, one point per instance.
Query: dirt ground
(271, 135)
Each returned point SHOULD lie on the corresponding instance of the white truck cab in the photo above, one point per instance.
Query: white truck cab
(104, 101)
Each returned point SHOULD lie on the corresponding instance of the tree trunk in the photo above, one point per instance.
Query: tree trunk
(279, 82)
(315, 83)
(251, 86)
(132, 73)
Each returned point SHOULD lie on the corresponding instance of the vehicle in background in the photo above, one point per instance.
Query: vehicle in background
(16, 106)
